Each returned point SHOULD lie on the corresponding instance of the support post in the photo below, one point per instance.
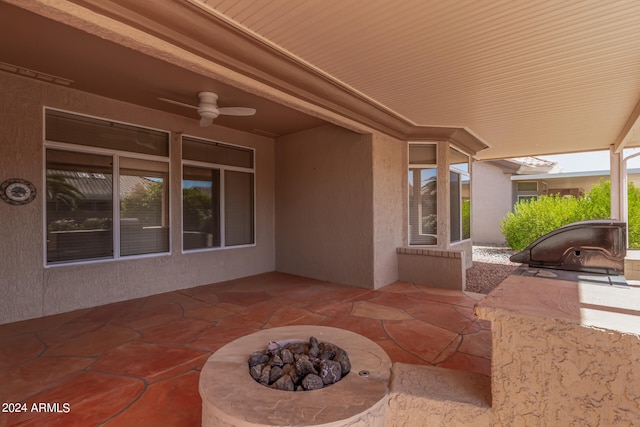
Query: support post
(617, 188)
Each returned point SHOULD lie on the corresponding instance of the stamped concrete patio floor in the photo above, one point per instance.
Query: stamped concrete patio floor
(137, 363)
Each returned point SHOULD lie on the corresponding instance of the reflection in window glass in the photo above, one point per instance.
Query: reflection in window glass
(144, 207)
(200, 208)
(79, 212)
(218, 195)
(103, 199)
(238, 208)
(459, 196)
(466, 207)
(423, 206)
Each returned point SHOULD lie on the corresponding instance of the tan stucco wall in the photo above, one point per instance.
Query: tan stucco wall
(31, 290)
(491, 201)
(389, 206)
(324, 208)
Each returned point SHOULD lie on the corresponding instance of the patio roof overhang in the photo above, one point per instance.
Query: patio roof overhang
(521, 78)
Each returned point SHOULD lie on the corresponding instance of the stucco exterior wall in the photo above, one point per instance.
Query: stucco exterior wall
(30, 289)
(389, 206)
(324, 205)
(491, 201)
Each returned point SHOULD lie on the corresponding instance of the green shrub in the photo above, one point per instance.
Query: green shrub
(531, 219)
(634, 216)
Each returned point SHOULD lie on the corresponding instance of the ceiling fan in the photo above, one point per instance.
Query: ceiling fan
(209, 110)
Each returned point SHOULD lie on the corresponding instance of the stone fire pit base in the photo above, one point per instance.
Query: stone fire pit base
(231, 398)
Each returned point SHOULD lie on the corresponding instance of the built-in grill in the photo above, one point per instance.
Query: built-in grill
(596, 248)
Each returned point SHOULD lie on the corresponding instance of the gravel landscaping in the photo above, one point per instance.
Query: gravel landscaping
(491, 266)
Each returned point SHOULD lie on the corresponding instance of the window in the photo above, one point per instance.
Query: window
(119, 166)
(217, 195)
(144, 210)
(423, 194)
(200, 208)
(527, 186)
(460, 199)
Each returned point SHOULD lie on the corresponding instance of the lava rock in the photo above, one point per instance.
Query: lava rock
(287, 356)
(284, 383)
(297, 348)
(265, 375)
(345, 363)
(328, 351)
(273, 347)
(276, 361)
(295, 375)
(255, 371)
(305, 367)
(299, 365)
(314, 350)
(312, 382)
(257, 358)
(330, 371)
(275, 374)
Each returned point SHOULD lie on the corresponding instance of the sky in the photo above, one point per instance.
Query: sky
(592, 161)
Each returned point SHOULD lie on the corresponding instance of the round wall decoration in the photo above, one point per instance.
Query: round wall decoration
(17, 191)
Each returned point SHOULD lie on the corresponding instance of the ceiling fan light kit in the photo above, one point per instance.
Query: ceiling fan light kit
(208, 108)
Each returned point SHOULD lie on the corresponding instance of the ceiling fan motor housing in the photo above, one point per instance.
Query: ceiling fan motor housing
(208, 108)
(208, 111)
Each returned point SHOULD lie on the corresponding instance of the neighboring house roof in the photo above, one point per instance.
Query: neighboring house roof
(534, 165)
(526, 165)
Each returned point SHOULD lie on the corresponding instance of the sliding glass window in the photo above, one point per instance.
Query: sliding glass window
(92, 166)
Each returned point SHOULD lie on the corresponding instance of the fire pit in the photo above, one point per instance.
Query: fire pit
(232, 398)
(299, 365)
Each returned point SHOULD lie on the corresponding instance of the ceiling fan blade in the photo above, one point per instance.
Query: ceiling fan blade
(206, 122)
(237, 111)
(182, 104)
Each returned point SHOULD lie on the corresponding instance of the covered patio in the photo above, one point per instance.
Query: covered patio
(137, 362)
(324, 178)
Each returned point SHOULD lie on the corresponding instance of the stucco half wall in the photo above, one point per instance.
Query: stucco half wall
(29, 289)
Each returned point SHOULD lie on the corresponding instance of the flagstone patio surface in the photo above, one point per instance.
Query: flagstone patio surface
(137, 362)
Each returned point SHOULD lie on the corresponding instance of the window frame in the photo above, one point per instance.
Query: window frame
(461, 173)
(115, 191)
(222, 168)
(421, 166)
(519, 190)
